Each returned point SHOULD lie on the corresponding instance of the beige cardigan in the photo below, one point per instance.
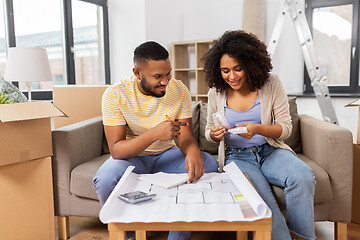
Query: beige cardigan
(274, 109)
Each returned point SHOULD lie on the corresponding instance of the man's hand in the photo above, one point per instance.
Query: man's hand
(167, 130)
(194, 165)
(217, 133)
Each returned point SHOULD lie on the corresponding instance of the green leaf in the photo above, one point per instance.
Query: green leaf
(5, 100)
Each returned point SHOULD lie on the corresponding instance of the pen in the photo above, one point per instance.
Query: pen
(168, 118)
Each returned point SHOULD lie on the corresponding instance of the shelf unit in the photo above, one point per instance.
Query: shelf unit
(188, 67)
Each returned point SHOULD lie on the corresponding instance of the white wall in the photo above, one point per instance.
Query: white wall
(347, 116)
(167, 21)
(287, 60)
(127, 30)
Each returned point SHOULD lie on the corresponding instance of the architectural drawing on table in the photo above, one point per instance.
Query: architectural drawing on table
(213, 189)
(204, 197)
(163, 207)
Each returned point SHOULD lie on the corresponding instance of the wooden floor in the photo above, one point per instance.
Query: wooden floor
(87, 228)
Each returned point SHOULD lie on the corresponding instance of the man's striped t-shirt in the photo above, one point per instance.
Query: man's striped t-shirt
(124, 104)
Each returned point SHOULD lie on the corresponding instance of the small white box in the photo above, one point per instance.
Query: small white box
(238, 130)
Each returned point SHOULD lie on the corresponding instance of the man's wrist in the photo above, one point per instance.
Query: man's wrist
(150, 136)
(193, 149)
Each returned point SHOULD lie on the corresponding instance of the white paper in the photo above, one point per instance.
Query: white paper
(165, 180)
(246, 189)
(220, 121)
(218, 197)
(209, 199)
(193, 187)
(220, 186)
(186, 197)
(237, 130)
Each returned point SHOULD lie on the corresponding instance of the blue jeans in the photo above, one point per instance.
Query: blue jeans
(266, 165)
(170, 161)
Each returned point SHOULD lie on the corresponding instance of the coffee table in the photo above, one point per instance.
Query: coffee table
(261, 228)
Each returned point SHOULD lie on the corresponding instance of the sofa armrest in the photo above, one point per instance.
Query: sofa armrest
(330, 146)
(73, 145)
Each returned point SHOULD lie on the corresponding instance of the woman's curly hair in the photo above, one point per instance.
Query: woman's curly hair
(249, 52)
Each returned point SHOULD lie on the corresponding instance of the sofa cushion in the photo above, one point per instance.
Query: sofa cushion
(204, 144)
(81, 177)
(323, 192)
(294, 140)
(195, 110)
(105, 146)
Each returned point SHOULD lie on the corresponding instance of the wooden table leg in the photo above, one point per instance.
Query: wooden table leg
(261, 235)
(241, 235)
(117, 235)
(140, 235)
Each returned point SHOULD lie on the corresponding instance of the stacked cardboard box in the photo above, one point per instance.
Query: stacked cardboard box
(26, 202)
(355, 212)
(80, 102)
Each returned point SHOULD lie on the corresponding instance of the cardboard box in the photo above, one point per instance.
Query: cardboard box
(355, 208)
(356, 103)
(25, 131)
(80, 102)
(26, 202)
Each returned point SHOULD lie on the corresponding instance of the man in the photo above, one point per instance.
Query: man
(142, 116)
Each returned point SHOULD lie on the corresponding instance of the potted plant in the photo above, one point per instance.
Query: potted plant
(5, 100)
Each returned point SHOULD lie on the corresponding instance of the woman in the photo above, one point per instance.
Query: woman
(237, 71)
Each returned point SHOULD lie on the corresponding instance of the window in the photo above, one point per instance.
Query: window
(88, 47)
(334, 27)
(32, 31)
(74, 32)
(35, 86)
(86, 41)
(59, 80)
(2, 40)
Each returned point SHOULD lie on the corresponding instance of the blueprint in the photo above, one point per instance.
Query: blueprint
(224, 196)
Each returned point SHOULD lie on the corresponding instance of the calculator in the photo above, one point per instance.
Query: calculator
(136, 196)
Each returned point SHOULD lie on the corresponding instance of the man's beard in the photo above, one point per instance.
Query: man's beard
(149, 91)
